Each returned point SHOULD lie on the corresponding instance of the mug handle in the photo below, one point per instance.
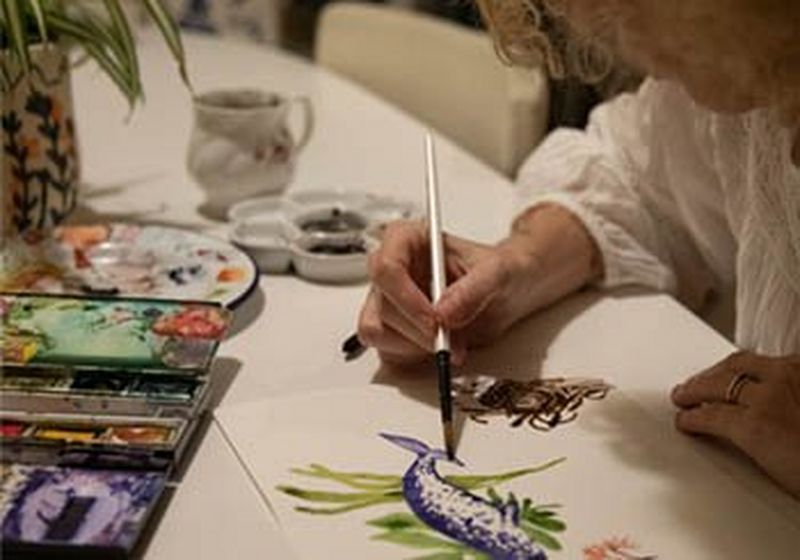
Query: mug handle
(308, 121)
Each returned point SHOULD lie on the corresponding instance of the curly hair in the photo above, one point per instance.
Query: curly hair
(531, 32)
(759, 44)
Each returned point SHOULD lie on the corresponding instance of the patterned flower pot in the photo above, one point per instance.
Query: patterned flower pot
(39, 158)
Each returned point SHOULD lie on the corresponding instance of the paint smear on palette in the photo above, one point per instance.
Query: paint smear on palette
(75, 507)
(449, 516)
(150, 435)
(542, 404)
(616, 548)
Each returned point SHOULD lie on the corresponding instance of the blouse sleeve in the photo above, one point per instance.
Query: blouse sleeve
(603, 176)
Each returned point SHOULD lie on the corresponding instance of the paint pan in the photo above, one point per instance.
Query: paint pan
(23, 381)
(102, 382)
(134, 435)
(67, 433)
(55, 512)
(95, 441)
(100, 392)
(10, 429)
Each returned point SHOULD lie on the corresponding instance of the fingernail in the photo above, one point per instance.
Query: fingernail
(676, 391)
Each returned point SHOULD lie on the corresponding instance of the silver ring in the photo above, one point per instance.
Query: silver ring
(735, 387)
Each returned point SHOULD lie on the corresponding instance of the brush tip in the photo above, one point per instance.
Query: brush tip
(449, 438)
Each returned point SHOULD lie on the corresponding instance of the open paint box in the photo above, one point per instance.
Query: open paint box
(323, 236)
(101, 397)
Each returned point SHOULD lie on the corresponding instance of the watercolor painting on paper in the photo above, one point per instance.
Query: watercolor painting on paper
(610, 484)
(452, 517)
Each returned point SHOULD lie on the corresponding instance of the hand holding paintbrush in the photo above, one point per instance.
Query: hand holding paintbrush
(353, 347)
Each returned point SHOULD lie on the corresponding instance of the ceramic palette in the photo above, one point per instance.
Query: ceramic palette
(320, 235)
(128, 261)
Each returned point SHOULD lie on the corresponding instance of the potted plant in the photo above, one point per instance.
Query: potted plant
(39, 39)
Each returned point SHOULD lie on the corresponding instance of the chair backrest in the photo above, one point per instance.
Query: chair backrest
(446, 75)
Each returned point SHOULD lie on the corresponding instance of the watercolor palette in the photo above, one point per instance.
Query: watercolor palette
(71, 439)
(109, 333)
(131, 393)
(54, 512)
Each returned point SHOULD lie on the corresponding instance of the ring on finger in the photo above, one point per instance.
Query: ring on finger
(736, 385)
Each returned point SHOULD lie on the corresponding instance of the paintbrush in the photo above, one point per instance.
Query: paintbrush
(353, 347)
(438, 284)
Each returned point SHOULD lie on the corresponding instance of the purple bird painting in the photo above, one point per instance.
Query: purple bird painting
(493, 529)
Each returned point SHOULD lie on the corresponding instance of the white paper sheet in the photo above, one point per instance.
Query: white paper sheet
(624, 475)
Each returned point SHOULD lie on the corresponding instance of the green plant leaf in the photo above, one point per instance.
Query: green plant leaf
(14, 20)
(85, 34)
(349, 507)
(454, 555)
(171, 32)
(356, 480)
(38, 14)
(416, 539)
(325, 496)
(397, 522)
(541, 537)
(547, 522)
(473, 482)
(99, 27)
(117, 43)
(121, 31)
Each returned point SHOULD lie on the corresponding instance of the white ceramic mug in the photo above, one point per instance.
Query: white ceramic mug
(241, 145)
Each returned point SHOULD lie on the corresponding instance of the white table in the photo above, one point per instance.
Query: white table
(288, 334)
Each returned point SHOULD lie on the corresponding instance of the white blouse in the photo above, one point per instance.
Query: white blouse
(686, 201)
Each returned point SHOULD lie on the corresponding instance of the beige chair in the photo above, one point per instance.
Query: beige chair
(445, 75)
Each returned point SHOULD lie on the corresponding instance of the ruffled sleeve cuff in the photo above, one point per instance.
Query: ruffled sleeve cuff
(625, 261)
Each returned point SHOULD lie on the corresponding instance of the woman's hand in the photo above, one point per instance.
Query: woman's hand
(753, 402)
(398, 318)
(547, 255)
